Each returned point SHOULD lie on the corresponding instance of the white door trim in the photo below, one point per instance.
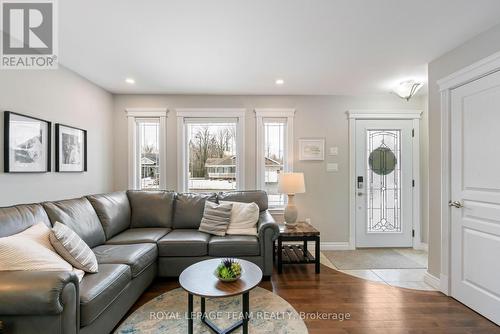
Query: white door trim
(374, 114)
(470, 73)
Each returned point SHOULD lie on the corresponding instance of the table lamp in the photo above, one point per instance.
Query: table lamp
(291, 184)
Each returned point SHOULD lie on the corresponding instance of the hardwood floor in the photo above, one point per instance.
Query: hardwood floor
(374, 308)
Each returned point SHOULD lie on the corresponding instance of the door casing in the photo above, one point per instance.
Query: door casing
(374, 114)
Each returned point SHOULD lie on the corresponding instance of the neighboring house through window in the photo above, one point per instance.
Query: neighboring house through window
(274, 151)
(211, 149)
(147, 148)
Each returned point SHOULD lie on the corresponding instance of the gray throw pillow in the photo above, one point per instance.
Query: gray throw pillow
(72, 248)
(216, 218)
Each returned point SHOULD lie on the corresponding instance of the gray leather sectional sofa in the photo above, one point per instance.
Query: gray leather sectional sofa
(136, 236)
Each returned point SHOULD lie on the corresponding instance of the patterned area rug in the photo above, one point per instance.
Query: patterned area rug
(378, 258)
(167, 314)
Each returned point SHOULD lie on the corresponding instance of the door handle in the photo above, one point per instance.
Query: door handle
(455, 204)
(360, 193)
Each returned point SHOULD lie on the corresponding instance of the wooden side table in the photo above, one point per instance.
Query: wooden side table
(297, 253)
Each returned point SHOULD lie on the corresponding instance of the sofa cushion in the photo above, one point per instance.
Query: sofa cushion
(15, 219)
(233, 245)
(72, 248)
(216, 218)
(99, 290)
(79, 215)
(113, 211)
(189, 209)
(184, 243)
(137, 256)
(259, 197)
(139, 235)
(151, 208)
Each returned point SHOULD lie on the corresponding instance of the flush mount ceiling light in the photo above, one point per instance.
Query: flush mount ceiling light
(130, 81)
(279, 82)
(407, 89)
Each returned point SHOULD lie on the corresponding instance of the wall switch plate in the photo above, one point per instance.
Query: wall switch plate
(333, 151)
(332, 167)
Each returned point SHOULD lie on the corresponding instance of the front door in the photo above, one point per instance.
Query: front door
(384, 174)
(475, 195)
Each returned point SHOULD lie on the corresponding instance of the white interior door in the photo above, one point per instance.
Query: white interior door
(384, 172)
(475, 191)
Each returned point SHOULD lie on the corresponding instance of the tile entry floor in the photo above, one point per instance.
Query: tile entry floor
(404, 278)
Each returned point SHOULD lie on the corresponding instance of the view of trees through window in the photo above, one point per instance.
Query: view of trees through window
(148, 131)
(274, 158)
(212, 156)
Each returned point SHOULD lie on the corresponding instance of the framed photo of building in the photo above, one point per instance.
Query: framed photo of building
(71, 149)
(312, 149)
(26, 144)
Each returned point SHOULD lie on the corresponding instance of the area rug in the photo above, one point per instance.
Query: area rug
(378, 258)
(269, 313)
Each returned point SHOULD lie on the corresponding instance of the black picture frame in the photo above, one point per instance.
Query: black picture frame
(8, 168)
(58, 148)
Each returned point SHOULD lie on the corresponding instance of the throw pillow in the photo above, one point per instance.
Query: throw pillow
(244, 218)
(31, 250)
(72, 248)
(216, 218)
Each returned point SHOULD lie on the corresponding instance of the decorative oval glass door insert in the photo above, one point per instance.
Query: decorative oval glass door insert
(384, 181)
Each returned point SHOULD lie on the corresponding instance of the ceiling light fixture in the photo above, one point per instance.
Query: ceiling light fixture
(279, 82)
(130, 81)
(407, 89)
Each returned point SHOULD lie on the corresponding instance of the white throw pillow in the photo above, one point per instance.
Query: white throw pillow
(244, 218)
(31, 250)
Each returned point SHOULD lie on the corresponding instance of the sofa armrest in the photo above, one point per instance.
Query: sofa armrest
(37, 292)
(267, 225)
(268, 231)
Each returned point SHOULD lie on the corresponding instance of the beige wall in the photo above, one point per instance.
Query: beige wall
(59, 96)
(327, 199)
(476, 49)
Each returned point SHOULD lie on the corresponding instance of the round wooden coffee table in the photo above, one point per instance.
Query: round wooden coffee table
(199, 280)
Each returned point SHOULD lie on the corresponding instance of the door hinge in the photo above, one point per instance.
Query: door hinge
(413, 183)
(413, 233)
(413, 132)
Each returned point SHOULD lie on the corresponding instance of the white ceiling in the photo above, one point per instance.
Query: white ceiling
(242, 46)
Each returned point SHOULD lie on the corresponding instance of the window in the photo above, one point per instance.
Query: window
(274, 151)
(148, 153)
(147, 148)
(211, 151)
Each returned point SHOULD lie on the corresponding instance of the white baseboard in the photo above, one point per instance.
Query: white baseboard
(432, 281)
(334, 245)
(444, 288)
(421, 246)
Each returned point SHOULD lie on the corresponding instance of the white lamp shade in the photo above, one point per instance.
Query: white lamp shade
(407, 89)
(291, 183)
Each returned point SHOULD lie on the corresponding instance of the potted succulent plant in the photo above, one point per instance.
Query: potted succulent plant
(229, 270)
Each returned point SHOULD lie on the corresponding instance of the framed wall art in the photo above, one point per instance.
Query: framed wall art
(26, 144)
(71, 149)
(312, 149)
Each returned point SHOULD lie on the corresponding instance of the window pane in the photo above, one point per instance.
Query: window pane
(384, 185)
(149, 143)
(211, 156)
(274, 159)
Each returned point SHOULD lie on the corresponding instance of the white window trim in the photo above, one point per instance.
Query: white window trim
(132, 115)
(260, 115)
(210, 113)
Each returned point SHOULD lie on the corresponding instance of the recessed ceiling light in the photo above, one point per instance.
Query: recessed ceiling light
(130, 81)
(279, 82)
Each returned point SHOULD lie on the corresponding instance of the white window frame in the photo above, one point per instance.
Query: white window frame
(210, 114)
(260, 116)
(134, 114)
